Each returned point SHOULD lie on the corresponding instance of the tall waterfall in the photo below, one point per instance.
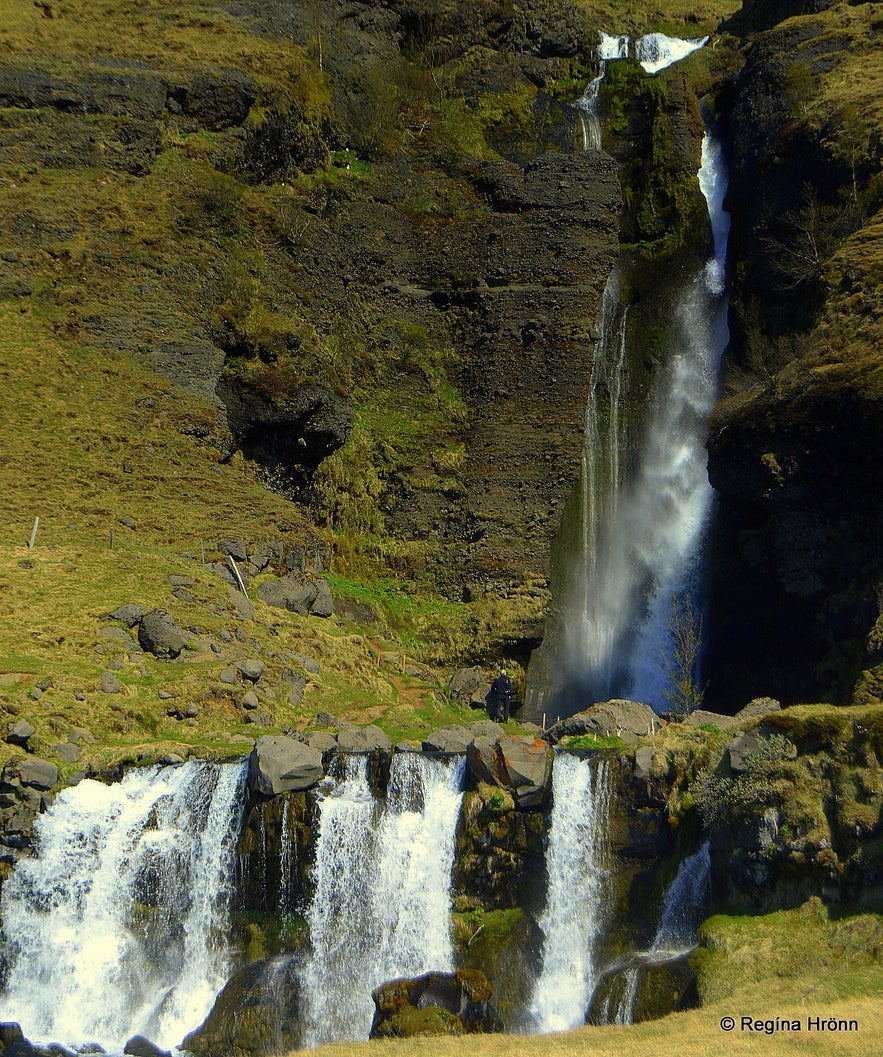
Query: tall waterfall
(608, 48)
(644, 502)
(381, 903)
(118, 924)
(573, 918)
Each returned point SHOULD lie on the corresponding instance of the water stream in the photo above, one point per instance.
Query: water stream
(119, 923)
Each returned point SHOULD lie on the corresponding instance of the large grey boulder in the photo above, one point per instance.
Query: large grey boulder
(40, 774)
(128, 614)
(160, 635)
(252, 670)
(516, 764)
(279, 765)
(363, 739)
(701, 718)
(760, 706)
(448, 739)
(628, 720)
(298, 594)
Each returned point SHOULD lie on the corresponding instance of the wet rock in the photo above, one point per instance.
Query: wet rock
(278, 764)
(160, 635)
(409, 1007)
(257, 1013)
(139, 1046)
(363, 739)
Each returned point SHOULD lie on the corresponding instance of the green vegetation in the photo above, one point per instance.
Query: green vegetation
(590, 741)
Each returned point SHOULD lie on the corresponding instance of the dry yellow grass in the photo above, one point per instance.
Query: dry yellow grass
(696, 1033)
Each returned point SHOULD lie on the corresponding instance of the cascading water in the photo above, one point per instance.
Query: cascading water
(118, 925)
(573, 918)
(644, 502)
(381, 903)
(682, 907)
(587, 105)
(656, 51)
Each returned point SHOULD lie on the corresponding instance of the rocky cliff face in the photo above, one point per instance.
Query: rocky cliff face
(797, 564)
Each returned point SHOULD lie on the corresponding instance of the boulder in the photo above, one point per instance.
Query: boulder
(742, 748)
(251, 670)
(625, 719)
(160, 635)
(700, 718)
(128, 614)
(363, 739)
(298, 594)
(320, 741)
(20, 732)
(278, 765)
(465, 682)
(448, 739)
(235, 547)
(760, 706)
(256, 1014)
(67, 753)
(139, 1046)
(523, 767)
(250, 700)
(110, 684)
(434, 1004)
(40, 774)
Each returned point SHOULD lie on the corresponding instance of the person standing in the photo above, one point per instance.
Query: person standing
(501, 696)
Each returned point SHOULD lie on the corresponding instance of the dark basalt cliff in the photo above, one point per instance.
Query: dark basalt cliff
(792, 450)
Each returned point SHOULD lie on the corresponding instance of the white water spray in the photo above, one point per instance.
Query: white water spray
(656, 51)
(573, 919)
(118, 925)
(381, 903)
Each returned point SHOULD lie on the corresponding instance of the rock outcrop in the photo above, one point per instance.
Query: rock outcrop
(280, 764)
(434, 1004)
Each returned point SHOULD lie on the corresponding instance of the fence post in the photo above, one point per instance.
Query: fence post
(34, 533)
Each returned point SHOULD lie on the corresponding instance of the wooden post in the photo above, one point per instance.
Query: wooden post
(544, 721)
(236, 572)
(111, 539)
(202, 550)
(34, 533)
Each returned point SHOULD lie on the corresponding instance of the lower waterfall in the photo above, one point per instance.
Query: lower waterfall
(381, 903)
(574, 916)
(118, 925)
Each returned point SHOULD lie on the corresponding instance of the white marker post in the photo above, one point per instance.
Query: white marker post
(34, 533)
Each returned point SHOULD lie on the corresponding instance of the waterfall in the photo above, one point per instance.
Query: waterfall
(381, 902)
(643, 502)
(118, 924)
(573, 918)
(608, 48)
(656, 51)
(682, 907)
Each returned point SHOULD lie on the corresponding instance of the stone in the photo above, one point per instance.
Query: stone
(243, 607)
(363, 739)
(139, 1046)
(228, 676)
(296, 686)
(701, 718)
(170, 759)
(408, 1007)
(252, 670)
(35, 693)
(624, 719)
(67, 753)
(323, 603)
(182, 581)
(19, 732)
(644, 761)
(260, 719)
(465, 682)
(110, 684)
(523, 767)
(408, 745)
(453, 738)
(257, 1012)
(160, 635)
(760, 706)
(129, 614)
(250, 700)
(119, 635)
(326, 719)
(742, 748)
(235, 547)
(40, 774)
(320, 741)
(78, 735)
(278, 764)
(309, 664)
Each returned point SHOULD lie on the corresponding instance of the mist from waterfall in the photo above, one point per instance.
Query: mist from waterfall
(119, 924)
(643, 504)
(381, 899)
(574, 916)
